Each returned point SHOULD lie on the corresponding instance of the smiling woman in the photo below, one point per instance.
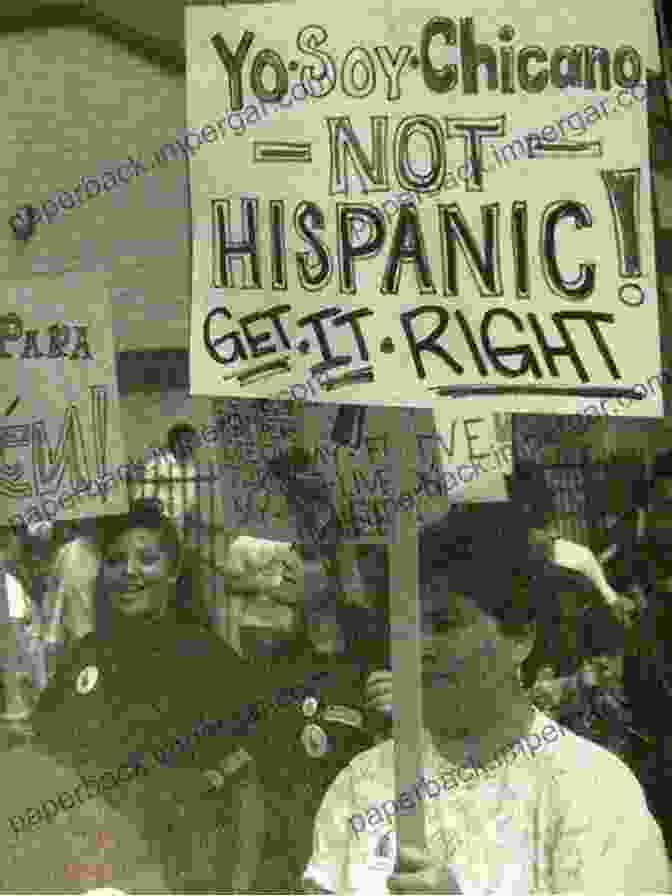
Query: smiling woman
(141, 565)
(150, 669)
(144, 573)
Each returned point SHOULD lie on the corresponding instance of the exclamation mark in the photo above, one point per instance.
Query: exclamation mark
(623, 191)
(99, 421)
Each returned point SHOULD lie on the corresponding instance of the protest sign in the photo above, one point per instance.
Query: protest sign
(351, 470)
(454, 204)
(460, 458)
(251, 434)
(292, 472)
(61, 443)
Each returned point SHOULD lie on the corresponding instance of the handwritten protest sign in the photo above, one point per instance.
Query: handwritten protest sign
(61, 446)
(285, 472)
(460, 459)
(251, 434)
(453, 203)
(352, 469)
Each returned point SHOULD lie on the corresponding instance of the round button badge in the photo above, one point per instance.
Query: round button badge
(214, 778)
(87, 680)
(309, 707)
(315, 741)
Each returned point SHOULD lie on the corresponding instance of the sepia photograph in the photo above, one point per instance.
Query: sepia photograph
(335, 448)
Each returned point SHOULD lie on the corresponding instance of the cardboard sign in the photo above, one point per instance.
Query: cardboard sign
(251, 434)
(266, 492)
(434, 204)
(460, 458)
(352, 468)
(62, 452)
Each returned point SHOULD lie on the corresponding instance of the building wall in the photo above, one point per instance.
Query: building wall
(79, 103)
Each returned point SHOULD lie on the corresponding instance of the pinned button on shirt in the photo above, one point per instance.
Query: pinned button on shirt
(309, 707)
(87, 680)
(215, 779)
(315, 741)
(234, 761)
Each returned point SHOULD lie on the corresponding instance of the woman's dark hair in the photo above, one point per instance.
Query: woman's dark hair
(146, 513)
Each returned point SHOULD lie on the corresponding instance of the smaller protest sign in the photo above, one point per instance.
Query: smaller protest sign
(61, 444)
(295, 471)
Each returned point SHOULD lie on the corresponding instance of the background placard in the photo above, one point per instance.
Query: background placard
(352, 466)
(62, 452)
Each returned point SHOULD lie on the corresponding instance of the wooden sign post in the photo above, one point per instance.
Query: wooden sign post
(406, 645)
(399, 427)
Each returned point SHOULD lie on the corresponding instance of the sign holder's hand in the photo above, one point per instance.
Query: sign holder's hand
(378, 692)
(417, 872)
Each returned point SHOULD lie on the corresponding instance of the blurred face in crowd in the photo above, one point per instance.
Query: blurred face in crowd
(469, 667)
(139, 572)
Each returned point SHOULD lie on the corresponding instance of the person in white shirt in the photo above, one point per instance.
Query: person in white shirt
(69, 602)
(517, 804)
(17, 670)
(172, 477)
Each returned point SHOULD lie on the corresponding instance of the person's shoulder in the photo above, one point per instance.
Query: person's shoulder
(376, 763)
(367, 779)
(79, 557)
(583, 767)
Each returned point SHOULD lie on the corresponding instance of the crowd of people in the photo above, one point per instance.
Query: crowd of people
(247, 757)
